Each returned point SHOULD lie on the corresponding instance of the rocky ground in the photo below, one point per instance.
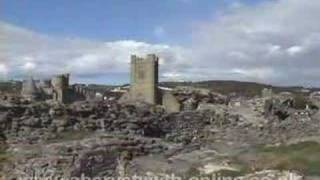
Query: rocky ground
(103, 139)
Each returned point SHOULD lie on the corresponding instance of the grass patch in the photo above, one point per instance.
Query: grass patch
(4, 158)
(3, 153)
(228, 173)
(70, 136)
(193, 172)
(303, 157)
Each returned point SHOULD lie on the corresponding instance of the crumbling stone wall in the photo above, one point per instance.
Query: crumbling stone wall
(170, 102)
(83, 92)
(60, 85)
(267, 93)
(29, 89)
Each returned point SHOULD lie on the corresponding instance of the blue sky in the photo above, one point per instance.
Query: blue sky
(268, 41)
(142, 20)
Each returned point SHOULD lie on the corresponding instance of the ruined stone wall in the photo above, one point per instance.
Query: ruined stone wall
(60, 81)
(60, 85)
(29, 89)
(267, 93)
(144, 79)
(83, 92)
(170, 102)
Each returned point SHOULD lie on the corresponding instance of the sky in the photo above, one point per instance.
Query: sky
(267, 41)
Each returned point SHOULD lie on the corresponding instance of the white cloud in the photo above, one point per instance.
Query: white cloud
(294, 50)
(29, 52)
(274, 49)
(173, 76)
(273, 42)
(29, 66)
(258, 73)
(238, 55)
(3, 69)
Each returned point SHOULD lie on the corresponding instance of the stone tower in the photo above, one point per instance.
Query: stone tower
(60, 85)
(144, 78)
(29, 89)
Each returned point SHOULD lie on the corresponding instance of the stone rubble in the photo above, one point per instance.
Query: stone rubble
(113, 135)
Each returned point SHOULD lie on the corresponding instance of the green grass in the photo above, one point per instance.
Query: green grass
(4, 158)
(228, 173)
(70, 136)
(303, 157)
(194, 172)
(249, 89)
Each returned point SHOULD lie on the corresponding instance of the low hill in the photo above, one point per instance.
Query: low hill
(241, 88)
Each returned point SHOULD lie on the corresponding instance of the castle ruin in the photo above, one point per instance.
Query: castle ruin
(144, 85)
(144, 78)
(60, 87)
(29, 89)
(56, 89)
